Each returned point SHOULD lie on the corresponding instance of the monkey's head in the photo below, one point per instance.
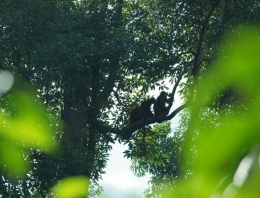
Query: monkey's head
(152, 100)
(163, 94)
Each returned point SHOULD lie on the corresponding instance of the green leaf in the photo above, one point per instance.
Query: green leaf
(12, 160)
(72, 187)
(28, 125)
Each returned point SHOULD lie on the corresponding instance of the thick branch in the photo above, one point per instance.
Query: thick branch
(175, 88)
(126, 133)
(109, 85)
(171, 99)
(222, 12)
(113, 69)
(195, 69)
(176, 111)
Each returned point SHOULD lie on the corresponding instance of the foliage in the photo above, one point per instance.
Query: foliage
(226, 164)
(159, 156)
(194, 30)
(93, 61)
(71, 187)
(24, 127)
(77, 54)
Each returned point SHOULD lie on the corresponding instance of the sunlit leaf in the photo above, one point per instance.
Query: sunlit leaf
(24, 125)
(12, 160)
(71, 187)
(221, 146)
(28, 125)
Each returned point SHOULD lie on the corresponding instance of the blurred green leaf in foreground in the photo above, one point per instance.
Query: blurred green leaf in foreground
(227, 152)
(24, 125)
(72, 187)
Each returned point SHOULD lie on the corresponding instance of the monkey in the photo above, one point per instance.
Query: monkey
(134, 116)
(159, 106)
(141, 112)
(144, 110)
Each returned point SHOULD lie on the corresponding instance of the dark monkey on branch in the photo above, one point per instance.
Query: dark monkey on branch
(134, 116)
(144, 110)
(141, 112)
(159, 106)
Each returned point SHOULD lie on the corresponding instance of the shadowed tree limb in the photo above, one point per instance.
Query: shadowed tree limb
(170, 101)
(195, 69)
(222, 12)
(177, 110)
(195, 72)
(126, 133)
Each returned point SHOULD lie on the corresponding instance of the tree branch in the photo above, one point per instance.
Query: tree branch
(171, 99)
(110, 82)
(117, 98)
(176, 111)
(222, 12)
(113, 69)
(126, 133)
(176, 85)
(195, 69)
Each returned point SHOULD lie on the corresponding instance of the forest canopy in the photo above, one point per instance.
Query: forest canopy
(72, 71)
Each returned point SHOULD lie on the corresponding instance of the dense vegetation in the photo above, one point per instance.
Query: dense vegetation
(91, 62)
